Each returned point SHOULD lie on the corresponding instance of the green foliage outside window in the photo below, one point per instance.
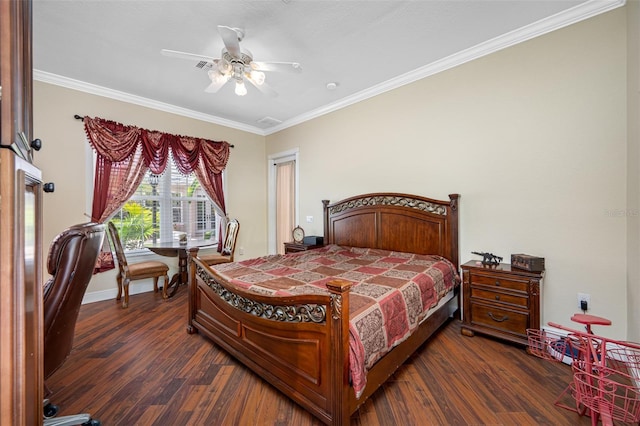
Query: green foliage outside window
(192, 188)
(135, 226)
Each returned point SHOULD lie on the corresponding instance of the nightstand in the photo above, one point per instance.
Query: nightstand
(500, 301)
(296, 247)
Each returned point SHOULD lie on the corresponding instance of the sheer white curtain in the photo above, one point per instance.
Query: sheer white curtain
(285, 203)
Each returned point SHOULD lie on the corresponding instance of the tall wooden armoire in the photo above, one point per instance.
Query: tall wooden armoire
(21, 335)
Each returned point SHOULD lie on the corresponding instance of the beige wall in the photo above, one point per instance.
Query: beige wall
(633, 161)
(63, 160)
(532, 137)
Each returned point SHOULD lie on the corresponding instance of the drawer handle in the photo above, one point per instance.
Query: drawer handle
(498, 283)
(504, 318)
(497, 297)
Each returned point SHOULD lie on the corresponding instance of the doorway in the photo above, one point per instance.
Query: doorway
(283, 198)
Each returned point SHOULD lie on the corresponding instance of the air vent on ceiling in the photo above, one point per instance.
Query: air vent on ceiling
(270, 121)
(203, 65)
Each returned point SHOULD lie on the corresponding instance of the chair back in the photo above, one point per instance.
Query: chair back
(231, 235)
(117, 247)
(72, 258)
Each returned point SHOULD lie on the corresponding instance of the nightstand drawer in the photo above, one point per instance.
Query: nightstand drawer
(498, 281)
(501, 319)
(495, 296)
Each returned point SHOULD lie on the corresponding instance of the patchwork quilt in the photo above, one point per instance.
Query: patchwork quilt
(392, 291)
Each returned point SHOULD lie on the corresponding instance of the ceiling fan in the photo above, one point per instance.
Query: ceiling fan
(236, 64)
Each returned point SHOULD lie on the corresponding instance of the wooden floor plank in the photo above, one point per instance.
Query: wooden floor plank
(138, 366)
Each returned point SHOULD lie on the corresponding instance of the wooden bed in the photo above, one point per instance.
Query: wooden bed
(300, 344)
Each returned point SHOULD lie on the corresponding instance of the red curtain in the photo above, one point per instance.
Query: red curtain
(126, 153)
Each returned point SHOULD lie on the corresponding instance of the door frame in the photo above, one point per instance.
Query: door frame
(280, 157)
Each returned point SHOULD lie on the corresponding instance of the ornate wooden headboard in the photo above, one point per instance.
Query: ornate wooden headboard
(391, 221)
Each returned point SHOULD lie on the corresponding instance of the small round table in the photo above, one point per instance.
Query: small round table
(177, 249)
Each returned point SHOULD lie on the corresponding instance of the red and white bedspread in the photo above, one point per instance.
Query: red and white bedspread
(392, 292)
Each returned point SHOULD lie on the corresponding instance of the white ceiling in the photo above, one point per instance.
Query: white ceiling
(112, 48)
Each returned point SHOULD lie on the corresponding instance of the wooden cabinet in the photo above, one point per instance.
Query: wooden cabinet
(500, 301)
(21, 323)
(296, 247)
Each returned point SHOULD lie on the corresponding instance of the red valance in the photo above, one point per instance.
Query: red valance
(117, 142)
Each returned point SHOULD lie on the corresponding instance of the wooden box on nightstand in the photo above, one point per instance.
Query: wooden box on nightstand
(500, 301)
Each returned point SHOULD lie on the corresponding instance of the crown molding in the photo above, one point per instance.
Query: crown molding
(555, 22)
(93, 89)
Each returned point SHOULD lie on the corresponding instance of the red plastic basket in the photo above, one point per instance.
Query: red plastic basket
(552, 346)
(607, 379)
(625, 359)
(607, 392)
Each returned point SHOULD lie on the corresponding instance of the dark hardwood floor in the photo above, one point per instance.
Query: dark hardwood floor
(138, 366)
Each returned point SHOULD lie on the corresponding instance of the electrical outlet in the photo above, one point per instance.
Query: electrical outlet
(241, 250)
(584, 297)
(309, 219)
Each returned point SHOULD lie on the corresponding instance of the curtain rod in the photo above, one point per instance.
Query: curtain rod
(78, 117)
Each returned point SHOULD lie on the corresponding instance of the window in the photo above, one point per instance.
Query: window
(165, 207)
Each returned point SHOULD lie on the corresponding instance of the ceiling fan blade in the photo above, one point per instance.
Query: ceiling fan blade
(185, 55)
(277, 66)
(214, 86)
(263, 87)
(230, 39)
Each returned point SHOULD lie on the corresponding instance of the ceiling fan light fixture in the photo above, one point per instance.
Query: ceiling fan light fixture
(217, 77)
(257, 77)
(241, 89)
(224, 67)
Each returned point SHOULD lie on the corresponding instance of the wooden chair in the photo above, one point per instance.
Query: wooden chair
(228, 248)
(135, 271)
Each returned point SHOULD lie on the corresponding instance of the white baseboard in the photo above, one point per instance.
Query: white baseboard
(554, 330)
(99, 296)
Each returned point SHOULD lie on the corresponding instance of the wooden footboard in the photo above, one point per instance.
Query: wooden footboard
(299, 344)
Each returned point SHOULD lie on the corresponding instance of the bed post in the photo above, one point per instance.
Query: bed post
(192, 288)
(325, 204)
(339, 352)
(453, 229)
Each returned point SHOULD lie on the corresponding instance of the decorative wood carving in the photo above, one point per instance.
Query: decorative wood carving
(390, 200)
(288, 313)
